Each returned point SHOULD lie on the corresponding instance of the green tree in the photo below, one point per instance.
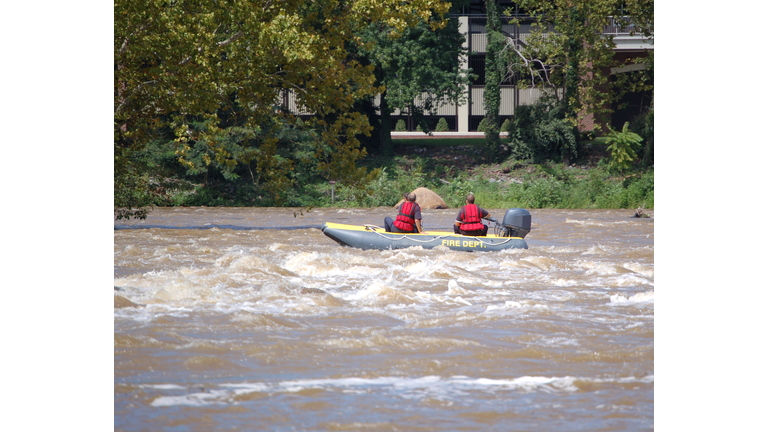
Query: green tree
(568, 50)
(540, 132)
(176, 63)
(493, 76)
(418, 71)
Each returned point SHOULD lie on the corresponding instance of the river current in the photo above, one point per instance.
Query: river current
(252, 319)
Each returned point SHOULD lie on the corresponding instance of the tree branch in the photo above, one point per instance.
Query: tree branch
(128, 99)
(124, 46)
(542, 73)
(231, 39)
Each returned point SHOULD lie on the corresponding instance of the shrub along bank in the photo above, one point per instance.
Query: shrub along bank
(543, 163)
(450, 167)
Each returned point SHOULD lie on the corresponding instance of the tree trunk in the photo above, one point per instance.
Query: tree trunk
(492, 94)
(386, 127)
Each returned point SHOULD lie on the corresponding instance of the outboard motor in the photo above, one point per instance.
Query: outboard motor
(516, 223)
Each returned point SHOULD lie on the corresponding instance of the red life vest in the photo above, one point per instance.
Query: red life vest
(471, 220)
(405, 220)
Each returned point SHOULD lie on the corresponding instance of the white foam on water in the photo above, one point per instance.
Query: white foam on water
(371, 292)
(167, 286)
(418, 268)
(522, 306)
(564, 282)
(462, 301)
(644, 270)
(431, 386)
(594, 250)
(600, 269)
(490, 283)
(455, 289)
(560, 249)
(512, 251)
(303, 264)
(250, 264)
(629, 280)
(559, 341)
(377, 340)
(592, 222)
(644, 297)
(162, 386)
(194, 399)
(543, 263)
(323, 265)
(378, 293)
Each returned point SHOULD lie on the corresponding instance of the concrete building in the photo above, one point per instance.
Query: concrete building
(463, 119)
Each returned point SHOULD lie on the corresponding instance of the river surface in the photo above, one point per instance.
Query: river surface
(252, 319)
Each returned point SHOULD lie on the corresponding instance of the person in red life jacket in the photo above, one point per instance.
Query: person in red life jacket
(468, 221)
(408, 217)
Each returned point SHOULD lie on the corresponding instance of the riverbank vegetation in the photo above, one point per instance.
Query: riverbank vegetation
(202, 114)
(450, 167)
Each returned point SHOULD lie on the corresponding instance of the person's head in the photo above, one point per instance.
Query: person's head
(412, 197)
(470, 199)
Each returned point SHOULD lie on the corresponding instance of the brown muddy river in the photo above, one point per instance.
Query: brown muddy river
(252, 319)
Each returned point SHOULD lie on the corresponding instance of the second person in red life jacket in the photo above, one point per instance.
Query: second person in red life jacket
(468, 221)
(408, 217)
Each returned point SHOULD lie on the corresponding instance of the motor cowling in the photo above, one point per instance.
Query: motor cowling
(516, 223)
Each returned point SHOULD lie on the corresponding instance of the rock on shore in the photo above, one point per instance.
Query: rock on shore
(427, 199)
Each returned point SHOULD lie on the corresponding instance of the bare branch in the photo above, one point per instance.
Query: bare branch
(231, 39)
(543, 72)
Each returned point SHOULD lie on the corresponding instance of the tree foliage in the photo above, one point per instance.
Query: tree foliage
(220, 64)
(493, 76)
(623, 146)
(540, 132)
(418, 71)
(568, 49)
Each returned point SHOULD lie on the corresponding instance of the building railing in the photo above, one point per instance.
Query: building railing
(511, 96)
(622, 26)
(619, 25)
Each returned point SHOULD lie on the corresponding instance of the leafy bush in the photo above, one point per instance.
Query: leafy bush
(622, 146)
(442, 125)
(543, 128)
(483, 125)
(639, 191)
(542, 193)
(506, 126)
(643, 126)
(587, 135)
(400, 126)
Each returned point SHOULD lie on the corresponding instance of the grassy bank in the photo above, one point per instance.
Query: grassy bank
(456, 169)
(452, 168)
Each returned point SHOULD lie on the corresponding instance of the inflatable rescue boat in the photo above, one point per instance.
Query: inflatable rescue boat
(507, 234)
